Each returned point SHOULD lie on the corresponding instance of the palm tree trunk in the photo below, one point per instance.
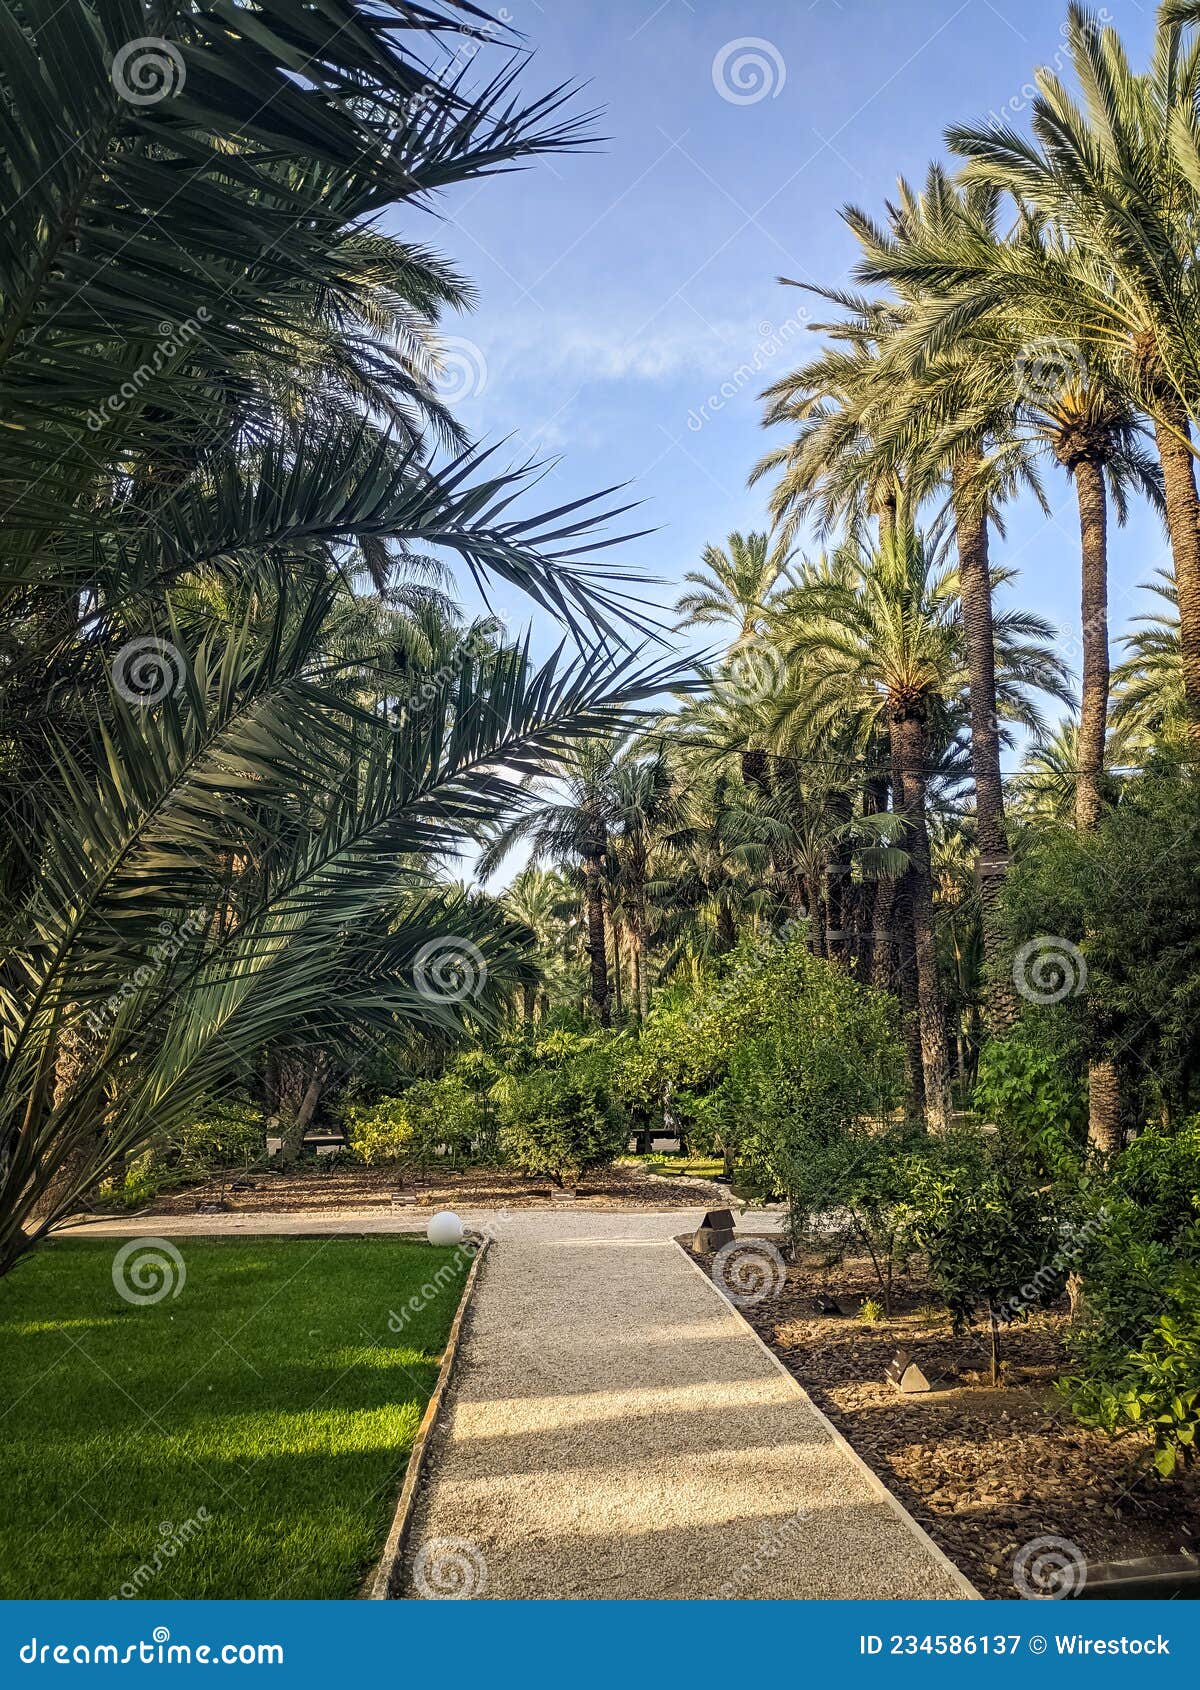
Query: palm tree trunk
(883, 914)
(903, 981)
(593, 869)
(618, 998)
(975, 591)
(1183, 527)
(1093, 714)
(908, 741)
(841, 807)
(643, 978)
(1104, 1086)
(1104, 1105)
(816, 926)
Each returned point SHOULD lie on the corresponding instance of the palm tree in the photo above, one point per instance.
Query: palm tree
(887, 654)
(648, 807)
(733, 586)
(855, 453)
(569, 820)
(227, 837)
(1113, 183)
(1148, 684)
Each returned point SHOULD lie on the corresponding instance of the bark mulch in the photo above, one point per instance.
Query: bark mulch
(318, 1190)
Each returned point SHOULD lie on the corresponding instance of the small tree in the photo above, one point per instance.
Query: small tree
(993, 1237)
(409, 1128)
(558, 1118)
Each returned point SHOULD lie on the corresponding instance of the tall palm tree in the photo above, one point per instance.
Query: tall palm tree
(888, 653)
(1113, 180)
(648, 806)
(569, 820)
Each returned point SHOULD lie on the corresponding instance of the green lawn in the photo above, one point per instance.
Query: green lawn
(245, 1438)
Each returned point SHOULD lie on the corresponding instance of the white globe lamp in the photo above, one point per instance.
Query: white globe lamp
(445, 1228)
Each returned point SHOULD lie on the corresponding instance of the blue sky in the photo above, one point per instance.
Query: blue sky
(621, 289)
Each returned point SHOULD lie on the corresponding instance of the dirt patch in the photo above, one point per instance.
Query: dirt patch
(984, 1470)
(309, 1190)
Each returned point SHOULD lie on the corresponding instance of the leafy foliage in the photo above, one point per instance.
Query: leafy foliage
(555, 1111)
(442, 1115)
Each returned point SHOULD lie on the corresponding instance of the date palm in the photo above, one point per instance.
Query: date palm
(569, 820)
(246, 855)
(1113, 180)
(887, 653)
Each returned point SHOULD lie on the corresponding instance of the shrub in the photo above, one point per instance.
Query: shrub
(1138, 933)
(558, 1118)
(229, 1134)
(431, 1115)
(993, 1237)
(1025, 1087)
(811, 1082)
(1156, 1387)
(756, 1057)
(1140, 1321)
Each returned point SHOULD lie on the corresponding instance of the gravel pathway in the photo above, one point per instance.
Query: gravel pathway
(615, 1430)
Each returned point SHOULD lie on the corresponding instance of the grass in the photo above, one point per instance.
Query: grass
(246, 1437)
(672, 1162)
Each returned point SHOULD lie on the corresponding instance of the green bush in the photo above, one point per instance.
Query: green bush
(815, 1072)
(1025, 1087)
(1138, 1334)
(558, 1118)
(227, 1135)
(1156, 1387)
(754, 1057)
(994, 1236)
(431, 1116)
(1138, 934)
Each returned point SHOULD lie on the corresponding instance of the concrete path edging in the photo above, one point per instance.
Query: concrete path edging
(382, 1583)
(872, 1477)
